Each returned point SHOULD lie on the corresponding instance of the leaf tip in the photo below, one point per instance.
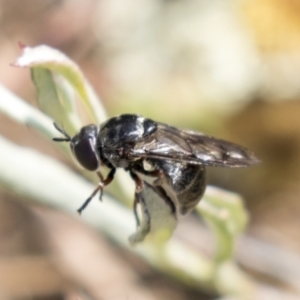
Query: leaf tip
(17, 63)
(22, 45)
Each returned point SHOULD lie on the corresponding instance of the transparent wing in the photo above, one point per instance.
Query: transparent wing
(182, 145)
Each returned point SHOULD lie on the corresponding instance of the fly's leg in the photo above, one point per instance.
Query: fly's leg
(100, 187)
(146, 225)
(156, 173)
(138, 182)
(101, 180)
(136, 202)
(160, 178)
(139, 185)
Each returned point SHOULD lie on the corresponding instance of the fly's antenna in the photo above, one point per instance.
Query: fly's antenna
(67, 138)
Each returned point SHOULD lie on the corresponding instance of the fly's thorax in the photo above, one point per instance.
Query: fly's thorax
(118, 157)
(118, 137)
(125, 130)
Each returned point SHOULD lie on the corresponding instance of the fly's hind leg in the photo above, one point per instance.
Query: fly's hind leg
(144, 226)
(136, 202)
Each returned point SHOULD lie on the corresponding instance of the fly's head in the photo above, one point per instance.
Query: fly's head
(83, 146)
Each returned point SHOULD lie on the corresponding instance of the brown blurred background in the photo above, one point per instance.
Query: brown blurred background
(229, 68)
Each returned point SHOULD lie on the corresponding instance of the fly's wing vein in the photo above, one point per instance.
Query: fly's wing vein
(182, 145)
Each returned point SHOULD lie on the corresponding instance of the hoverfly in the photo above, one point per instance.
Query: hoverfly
(163, 161)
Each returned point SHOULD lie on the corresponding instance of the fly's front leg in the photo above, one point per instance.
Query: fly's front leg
(106, 181)
(101, 185)
(101, 180)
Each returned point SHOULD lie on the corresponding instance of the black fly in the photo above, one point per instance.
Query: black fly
(170, 162)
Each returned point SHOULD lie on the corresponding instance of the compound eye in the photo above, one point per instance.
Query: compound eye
(86, 154)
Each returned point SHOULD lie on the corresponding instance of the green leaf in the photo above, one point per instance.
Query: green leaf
(58, 63)
(173, 258)
(52, 71)
(52, 103)
(225, 214)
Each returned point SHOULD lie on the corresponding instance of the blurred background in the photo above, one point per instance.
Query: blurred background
(228, 68)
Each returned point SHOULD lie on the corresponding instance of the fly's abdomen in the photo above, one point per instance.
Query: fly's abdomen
(193, 187)
(187, 183)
